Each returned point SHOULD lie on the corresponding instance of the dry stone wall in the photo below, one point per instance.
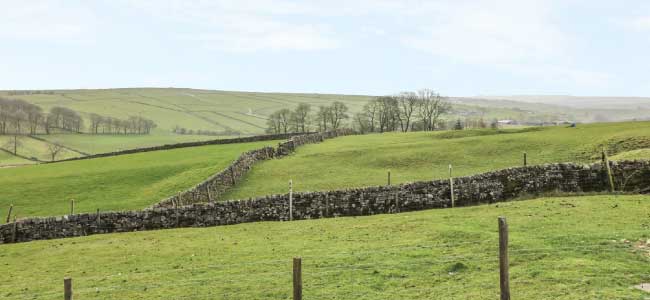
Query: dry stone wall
(497, 186)
(248, 139)
(214, 187)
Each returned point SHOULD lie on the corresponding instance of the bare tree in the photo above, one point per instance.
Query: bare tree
(338, 114)
(408, 102)
(13, 143)
(300, 117)
(54, 149)
(432, 106)
(323, 117)
(388, 113)
(95, 121)
(273, 123)
(284, 115)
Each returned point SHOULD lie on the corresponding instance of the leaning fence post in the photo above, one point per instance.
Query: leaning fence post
(290, 200)
(11, 209)
(297, 278)
(67, 288)
(504, 273)
(71, 206)
(610, 178)
(451, 187)
(13, 231)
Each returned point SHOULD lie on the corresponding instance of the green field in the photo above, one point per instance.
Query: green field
(572, 248)
(356, 161)
(633, 154)
(122, 182)
(220, 111)
(36, 149)
(108, 143)
(189, 108)
(136, 181)
(7, 159)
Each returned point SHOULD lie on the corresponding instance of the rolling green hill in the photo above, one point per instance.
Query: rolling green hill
(243, 112)
(355, 161)
(138, 180)
(123, 182)
(569, 248)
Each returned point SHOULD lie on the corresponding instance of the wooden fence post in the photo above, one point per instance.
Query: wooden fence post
(610, 178)
(525, 159)
(71, 206)
(297, 278)
(290, 200)
(451, 186)
(388, 177)
(13, 231)
(207, 188)
(11, 209)
(504, 273)
(98, 217)
(67, 288)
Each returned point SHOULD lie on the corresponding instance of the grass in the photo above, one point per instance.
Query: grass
(34, 148)
(7, 159)
(570, 248)
(641, 154)
(355, 161)
(113, 183)
(107, 143)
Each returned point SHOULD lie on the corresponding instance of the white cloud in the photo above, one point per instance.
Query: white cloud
(245, 26)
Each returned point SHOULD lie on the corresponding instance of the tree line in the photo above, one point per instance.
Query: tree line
(406, 111)
(21, 117)
(301, 119)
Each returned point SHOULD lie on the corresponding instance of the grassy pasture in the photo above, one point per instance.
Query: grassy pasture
(34, 148)
(107, 143)
(123, 182)
(7, 159)
(592, 247)
(641, 154)
(355, 161)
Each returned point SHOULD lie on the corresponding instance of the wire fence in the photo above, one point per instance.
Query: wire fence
(541, 269)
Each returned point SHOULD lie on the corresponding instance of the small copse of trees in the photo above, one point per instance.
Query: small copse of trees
(406, 111)
(21, 117)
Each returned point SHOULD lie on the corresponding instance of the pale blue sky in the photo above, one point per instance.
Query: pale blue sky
(458, 47)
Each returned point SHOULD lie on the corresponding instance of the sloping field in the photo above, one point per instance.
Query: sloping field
(108, 143)
(113, 183)
(188, 108)
(593, 247)
(7, 159)
(356, 161)
(633, 154)
(37, 149)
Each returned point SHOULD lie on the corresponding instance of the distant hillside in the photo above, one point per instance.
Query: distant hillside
(583, 102)
(227, 113)
(246, 112)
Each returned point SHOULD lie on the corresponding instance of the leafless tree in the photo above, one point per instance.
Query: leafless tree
(323, 117)
(338, 114)
(13, 144)
(300, 117)
(432, 106)
(408, 102)
(54, 149)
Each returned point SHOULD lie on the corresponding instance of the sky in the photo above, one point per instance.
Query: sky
(456, 47)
